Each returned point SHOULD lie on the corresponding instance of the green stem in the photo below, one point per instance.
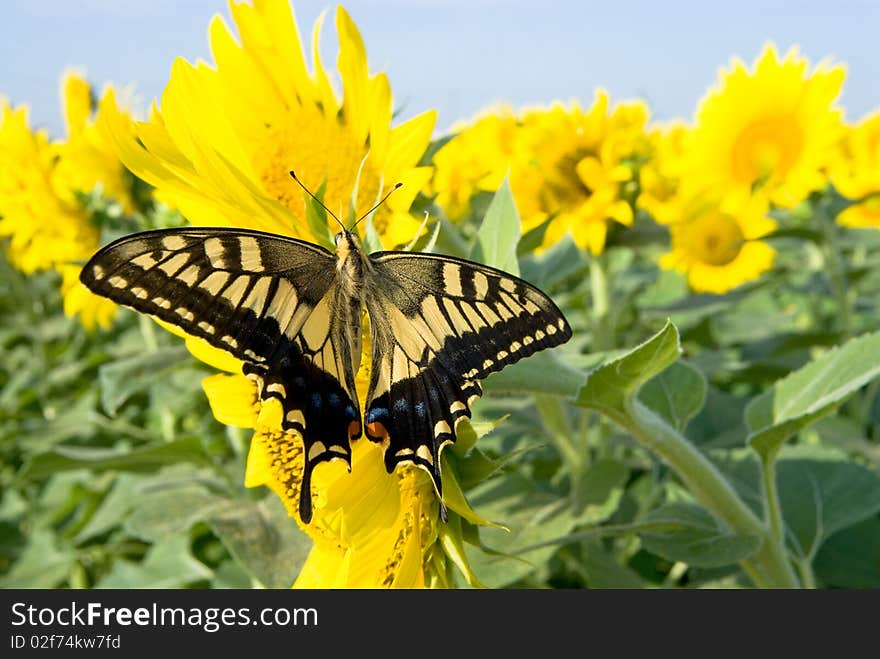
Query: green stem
(676, 572)
(600, 290)
(712, 490)
(148, 332)
(754, 574)
(836, 271)
(554, 416)
(805, 569)
(773, 512)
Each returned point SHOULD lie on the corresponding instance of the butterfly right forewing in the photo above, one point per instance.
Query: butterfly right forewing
(439, 326)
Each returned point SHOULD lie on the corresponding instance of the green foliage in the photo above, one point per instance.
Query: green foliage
(114, 473)
(499, 233)
(677, 440)
(811, 392)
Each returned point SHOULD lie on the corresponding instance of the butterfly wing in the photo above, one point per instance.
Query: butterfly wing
(269, 301)
(439, 325)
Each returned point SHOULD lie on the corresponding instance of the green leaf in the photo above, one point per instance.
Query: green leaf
(695, 537)
(821, 493)
(453, 495)
(811, 392)
(542, 373)
(124, 377)
(173, 511)
(603, 570)
(608, 387)
(230, 574)
(676, 394)
(168, 564)
(600, 491)
(264, 540)
(316, 217)
(113, 508)
(499, 233)
(531, 517)
(147, 458)
(719, 423)
(42, 564)
(468, 432)
(475, 468)
(851, 558)
(452, 541)
(552, 267)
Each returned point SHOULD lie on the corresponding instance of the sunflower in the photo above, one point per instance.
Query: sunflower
(661, 177)
(226, 136)
(41, 183)
(856, 174)
(220, 150)
(476, 159)
(370, 528)
(575, 168)
(717, 244)
(771, 128)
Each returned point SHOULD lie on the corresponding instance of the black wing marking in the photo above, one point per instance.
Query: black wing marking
(439, 326)
(266, 299)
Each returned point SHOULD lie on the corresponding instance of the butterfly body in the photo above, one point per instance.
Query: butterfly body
(292, 312)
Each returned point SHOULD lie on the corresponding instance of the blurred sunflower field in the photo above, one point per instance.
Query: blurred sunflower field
(714, 421)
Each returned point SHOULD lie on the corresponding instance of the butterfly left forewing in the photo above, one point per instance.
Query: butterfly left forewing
(272, 302)
(439, 325)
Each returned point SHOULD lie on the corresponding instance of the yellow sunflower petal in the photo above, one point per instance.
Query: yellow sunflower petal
(233, 399)
(76, 96)
(352, 65)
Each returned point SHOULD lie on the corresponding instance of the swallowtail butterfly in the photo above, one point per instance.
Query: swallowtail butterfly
(292, 311)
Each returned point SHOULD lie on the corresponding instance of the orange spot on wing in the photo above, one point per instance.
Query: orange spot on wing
(377, 430)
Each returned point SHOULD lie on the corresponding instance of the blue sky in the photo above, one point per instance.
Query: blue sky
(458, 56)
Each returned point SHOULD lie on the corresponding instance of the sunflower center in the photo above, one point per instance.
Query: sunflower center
(565, 184)
(765, 149)
(716, 238)
(321, 150)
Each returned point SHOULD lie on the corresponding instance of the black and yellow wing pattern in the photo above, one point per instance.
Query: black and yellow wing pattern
(267, 300)
(439, 325)
(291, 311)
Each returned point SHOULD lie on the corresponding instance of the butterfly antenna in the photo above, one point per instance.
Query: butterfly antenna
(320, 203)
(378, 203)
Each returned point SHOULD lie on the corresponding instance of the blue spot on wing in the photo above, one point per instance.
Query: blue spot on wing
(377, 414)
(400, 405)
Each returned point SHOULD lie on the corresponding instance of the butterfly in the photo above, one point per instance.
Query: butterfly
(291, 311)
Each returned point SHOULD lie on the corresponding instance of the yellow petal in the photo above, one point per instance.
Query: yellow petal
(380, 118)
(325, 91)
(76, 97)
(408, 143)
(352, 65)
(258, 470)
(233, 399)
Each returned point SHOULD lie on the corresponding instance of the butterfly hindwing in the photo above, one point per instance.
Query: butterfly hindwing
(270, 301)
(439, 325)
